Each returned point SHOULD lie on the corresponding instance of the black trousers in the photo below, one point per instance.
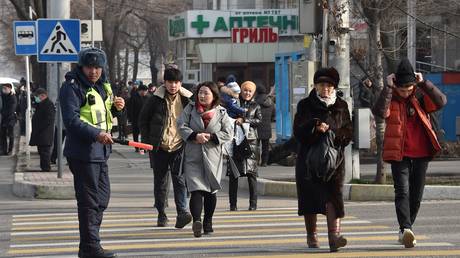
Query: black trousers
(196, 205)
(92, 191)
(409, 183)
(54, 153)
(265, 151)
(136, 132)
(162, 161)
(233, 189)
(6, 139)
(44, 151)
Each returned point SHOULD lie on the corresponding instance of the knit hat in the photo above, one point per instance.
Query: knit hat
(230, 78)
(233, 86)
(142, 87)
(249, 84)
(92, 57)
(329, 75)
(405, 73)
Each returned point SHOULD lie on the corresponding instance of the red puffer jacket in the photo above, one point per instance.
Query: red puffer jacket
(426, 99)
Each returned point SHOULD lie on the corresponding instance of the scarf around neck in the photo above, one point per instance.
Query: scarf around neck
(328, 101)
(206, 115)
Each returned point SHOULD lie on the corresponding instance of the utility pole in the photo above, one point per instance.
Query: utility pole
(340, 59)
(58, 9)
(411, 32)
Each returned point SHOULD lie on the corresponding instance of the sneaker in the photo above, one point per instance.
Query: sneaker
(197, 227)
(162, 220)
(183, 219)
(408, 238)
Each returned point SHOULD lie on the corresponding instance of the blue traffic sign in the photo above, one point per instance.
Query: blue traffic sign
(58, 40)
(25, 38)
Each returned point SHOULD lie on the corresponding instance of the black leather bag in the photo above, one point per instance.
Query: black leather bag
(242, 151)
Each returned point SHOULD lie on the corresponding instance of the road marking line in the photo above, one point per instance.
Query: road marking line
(222, 211)
(252, 237)
(196, 243)
(178, 233)
(232, 223)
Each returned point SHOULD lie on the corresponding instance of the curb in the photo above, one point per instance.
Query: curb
(352, 192)
(27, 189)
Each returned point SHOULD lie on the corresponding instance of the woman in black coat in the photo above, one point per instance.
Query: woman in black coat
(42, 134)
(321, 111)
(247, 167)
(264, 131)
(9, 118)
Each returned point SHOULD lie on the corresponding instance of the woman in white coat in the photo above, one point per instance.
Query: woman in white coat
(205, 127)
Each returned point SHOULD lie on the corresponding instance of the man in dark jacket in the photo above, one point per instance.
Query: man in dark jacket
(8, 119)
(87, 105)
(157, 122)
(134, 107)
(43, 128)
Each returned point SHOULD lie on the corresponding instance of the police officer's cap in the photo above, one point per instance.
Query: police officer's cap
(93, 57)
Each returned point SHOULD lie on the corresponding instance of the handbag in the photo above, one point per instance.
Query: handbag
(243, 150)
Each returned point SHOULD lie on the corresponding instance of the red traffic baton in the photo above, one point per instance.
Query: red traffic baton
(139, 145)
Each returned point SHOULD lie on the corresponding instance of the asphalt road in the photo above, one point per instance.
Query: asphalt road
(49, 228)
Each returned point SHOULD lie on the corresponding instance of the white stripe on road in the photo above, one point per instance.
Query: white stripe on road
(138, 241)
(137, 229)
(255, 216)
(127, 212)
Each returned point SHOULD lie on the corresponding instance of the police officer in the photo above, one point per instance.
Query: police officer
(88, 104)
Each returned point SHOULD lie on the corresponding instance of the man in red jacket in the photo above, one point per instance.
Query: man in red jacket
(410, 141)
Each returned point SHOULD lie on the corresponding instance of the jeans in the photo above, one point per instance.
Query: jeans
(409, 183)
(162, 160)
(92, 191)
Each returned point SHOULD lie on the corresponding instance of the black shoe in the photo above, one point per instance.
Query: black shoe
(233, 208)
(264, 164)
(97, 254)
(196, 227)
(207, 227)
(162, 220)
(252, 207)
(183, 219)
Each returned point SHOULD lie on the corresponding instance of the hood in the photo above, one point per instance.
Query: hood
(226, 90)
(161, 92)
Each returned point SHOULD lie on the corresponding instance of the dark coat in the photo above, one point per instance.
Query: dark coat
(134, 107)
(43, 124)
(9, 110)
(253, 116)
(152, 118)
(81, 141)
(266, 104)
(313, 195)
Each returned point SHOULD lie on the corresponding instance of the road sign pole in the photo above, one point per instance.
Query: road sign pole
(92, 23)
(59, 124)
(28, 111)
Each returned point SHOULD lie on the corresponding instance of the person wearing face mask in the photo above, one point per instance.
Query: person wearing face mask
(320, 112)
(205, 126)
(410, 141)
(247, 167)
(87, 105)
(43, 127)
(9, 118)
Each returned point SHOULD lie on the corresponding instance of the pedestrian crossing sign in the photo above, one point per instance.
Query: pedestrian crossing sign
(58, 40)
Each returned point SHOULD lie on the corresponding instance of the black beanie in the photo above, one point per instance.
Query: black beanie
(329, 75)
(405, 73)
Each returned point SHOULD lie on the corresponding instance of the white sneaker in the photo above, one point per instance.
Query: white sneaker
(408, 238)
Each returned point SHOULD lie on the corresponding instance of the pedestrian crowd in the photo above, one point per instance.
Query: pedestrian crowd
(203, 133)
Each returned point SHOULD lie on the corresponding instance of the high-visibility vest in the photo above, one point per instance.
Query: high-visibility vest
(96, 112)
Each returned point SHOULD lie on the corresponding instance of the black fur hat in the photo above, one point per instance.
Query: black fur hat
(405, 74)
(329, 75)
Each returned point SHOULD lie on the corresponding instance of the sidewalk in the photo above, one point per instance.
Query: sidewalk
(30, 182)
